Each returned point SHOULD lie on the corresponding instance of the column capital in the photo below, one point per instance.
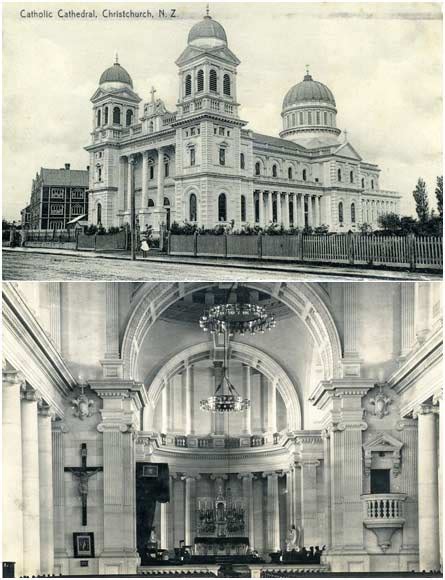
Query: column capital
(245, 476)
(437, 397)
(30, 394)
(191, 476)
(271, 474)
(59, 426)
(307, 462)
(45, 410)
(406, 424)
(13, 377)
(215, 476)
(131, 159)
(117, 426)
(423, 409)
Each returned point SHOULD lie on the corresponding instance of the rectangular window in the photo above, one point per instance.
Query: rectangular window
(192, 157)
(222, 156)
(221, 131)
(301, 119)
(57, 192)
(318, 117)
(192, 131)
(152, 172)
(380, 481)
(166, 169)
(309, 118)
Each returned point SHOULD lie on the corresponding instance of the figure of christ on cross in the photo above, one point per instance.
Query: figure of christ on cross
(83, 474)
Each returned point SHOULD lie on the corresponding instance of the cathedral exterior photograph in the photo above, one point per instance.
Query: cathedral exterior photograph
(201, 165)
(255, 430)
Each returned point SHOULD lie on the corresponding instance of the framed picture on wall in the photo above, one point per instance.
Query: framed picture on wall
(83, 544)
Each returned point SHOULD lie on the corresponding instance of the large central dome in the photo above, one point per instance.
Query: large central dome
(207, 29)
(306, 91)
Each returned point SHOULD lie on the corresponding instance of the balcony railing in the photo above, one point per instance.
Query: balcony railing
(218, 442)
(384, 506)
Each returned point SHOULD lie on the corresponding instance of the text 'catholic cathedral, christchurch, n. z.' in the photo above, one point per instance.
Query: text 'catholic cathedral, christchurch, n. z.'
(199, 164)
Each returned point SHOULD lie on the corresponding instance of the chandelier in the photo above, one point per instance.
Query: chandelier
(237, 319)
(229, 319)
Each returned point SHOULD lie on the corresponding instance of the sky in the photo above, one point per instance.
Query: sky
(383, 63)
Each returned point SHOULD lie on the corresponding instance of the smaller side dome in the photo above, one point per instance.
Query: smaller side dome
(116, 74)
(306, 91)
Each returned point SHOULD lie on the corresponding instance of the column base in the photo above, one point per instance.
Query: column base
(159, 217)
(145, 218)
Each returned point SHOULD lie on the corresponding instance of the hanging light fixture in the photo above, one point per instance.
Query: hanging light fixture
(229, 319)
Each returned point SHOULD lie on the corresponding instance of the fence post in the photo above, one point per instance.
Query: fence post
(300, 246)
(76, 232)
(225, 245)
(168, 243)
(411, 241)
(350, 247)
(260, 245)
(195, 244)
(95, 241)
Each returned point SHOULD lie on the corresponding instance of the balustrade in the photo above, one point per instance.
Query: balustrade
(384, 506)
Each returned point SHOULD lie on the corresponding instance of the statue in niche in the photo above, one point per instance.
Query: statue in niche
(293, 538)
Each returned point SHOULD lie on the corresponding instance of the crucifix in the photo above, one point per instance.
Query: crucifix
(83, 474)
(153, 91)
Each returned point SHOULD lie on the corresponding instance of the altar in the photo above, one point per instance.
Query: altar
(221, 546)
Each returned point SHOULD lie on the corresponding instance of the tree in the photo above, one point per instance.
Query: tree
(439, 194)
(390, 222)
(421, 198)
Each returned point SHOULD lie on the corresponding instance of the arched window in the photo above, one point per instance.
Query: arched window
(98, 117)
(289, 172)
(166, 202)
(325, 115)
(257, 209)
(99, 214)
(274, 170)
(372, 184)
(151, 203)
(166, 167)
(213, 80)
(129, 118)
(301, 118)
(188, 85)
(291, 212)
(116, 116)
(151, 171)
(353, 213)
(200, 80)
(338, 174)
(151, 127)
(226, 85)
(242, 161)
(293, 120)
(351, 176)
(309, 118)
(106, 116)
(363, 182)
(257, 168)
(222, 207)
(340, 212)
(304, 174)
(193, 208)
(274, 210)
(243, 208)
(318, 117)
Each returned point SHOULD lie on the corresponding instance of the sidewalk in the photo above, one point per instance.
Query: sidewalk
(270, 266)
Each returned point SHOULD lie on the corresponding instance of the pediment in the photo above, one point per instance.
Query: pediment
(221, 52)
(383, 442)
(126, 94)
(347, 150)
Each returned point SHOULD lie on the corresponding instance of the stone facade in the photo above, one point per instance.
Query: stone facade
(201, 164)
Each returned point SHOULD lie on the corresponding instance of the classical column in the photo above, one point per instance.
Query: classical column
(261, 208)
(320, 213)
(58, 431)
(429, 554)
(286, 210)
(30, 483)
(327, 486)
(46, 490)
(164, 408)
(337, 507)
(302, 220)
(437, 402)
(190, 488)
(407, 311)
(54, 305)
(408, 483)
(309, 508)
(130, 180)
(309, 211)
(112, 320)
(247, 484)
(279, 213)
(247, 414)
(144, 192)
(160, 178)
(270, 207)
(189, 401)
(350, 297)
(423, 310)
(272, 407)
(165, 519)
(12, 514)
(121, 190)
(273, 513)
(316, 212)
(289, 499)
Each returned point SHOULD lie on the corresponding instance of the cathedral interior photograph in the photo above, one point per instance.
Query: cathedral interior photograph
(205, 429)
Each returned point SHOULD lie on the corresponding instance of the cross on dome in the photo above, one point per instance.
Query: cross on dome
(152, 92)
(208, 11)
(116, 57)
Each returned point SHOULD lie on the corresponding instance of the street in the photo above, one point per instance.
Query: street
(19, 265)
